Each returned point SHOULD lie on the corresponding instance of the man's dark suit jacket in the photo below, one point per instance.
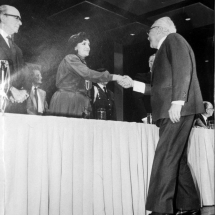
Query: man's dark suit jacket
(16, 65)
(17, 78)
(174, 78)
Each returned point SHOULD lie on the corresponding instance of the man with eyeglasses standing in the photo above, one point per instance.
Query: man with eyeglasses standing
(10, 21)
(175, 99)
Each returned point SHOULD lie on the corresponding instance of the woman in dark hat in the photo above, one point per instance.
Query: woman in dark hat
(74, 79)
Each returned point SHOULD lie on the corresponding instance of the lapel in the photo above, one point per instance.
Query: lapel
(5, 50)
(202, 119)
(156, 60)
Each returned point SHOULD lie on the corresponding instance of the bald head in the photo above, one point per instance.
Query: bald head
(166, 23)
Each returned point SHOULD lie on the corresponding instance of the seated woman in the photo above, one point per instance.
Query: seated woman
(73, 80)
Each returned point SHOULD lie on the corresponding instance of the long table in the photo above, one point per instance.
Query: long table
(62, 166)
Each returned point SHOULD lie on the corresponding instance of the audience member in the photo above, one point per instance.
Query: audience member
(10, 21)
(36, 102)
(74, 79)
(201, 120)
(175, 99)
(102, 97)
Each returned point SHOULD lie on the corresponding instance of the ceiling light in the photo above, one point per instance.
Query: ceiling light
(132, 34)
(206, 61)
(188, 19)
(87, 17)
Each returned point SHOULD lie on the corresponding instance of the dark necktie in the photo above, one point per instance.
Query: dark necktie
(105, 90)
(36, 96)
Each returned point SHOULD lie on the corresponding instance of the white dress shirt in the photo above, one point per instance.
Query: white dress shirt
(40, 106)
(96, 92)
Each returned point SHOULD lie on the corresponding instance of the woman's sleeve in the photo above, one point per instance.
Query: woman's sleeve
(73, 62)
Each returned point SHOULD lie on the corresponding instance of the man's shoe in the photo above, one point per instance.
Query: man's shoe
(189, 212)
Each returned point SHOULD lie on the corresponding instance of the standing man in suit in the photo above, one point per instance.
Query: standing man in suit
(10, 21)
(36, 102)
(175, 99)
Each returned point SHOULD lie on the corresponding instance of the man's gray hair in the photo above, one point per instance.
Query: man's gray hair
(3, 9)
(207, 104)
(166, 23)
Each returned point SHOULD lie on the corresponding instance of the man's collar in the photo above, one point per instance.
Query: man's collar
(3, 33)
(35, 86)
(101, 85)
(205, 118)
(161, 41)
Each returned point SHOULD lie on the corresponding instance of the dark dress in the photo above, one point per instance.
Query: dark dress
(72, 99)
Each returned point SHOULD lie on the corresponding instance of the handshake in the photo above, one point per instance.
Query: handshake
(124, 81)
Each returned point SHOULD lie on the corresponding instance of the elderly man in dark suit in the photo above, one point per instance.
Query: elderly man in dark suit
(175, 99)
(10, 21)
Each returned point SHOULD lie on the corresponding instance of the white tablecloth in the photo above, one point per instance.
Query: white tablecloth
(61, 166)
(201, 158)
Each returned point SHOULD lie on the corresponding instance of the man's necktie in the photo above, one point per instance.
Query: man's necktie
(12, 48)
(36, 96)
(105, 90)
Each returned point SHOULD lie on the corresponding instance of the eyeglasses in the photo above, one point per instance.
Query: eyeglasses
(16, 17)
(151, 29)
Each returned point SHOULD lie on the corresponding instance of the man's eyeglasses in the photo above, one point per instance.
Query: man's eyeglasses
(16, 17)
(151, 29)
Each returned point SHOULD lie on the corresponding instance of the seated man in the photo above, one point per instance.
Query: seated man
(103, 98)
(201, 119)
(36, 102)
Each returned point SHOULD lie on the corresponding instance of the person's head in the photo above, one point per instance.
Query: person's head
(37, 77)
(79, 44)
(208, 109)
(151, 60)
(160, 28)
(10, 19)
(34, 76)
